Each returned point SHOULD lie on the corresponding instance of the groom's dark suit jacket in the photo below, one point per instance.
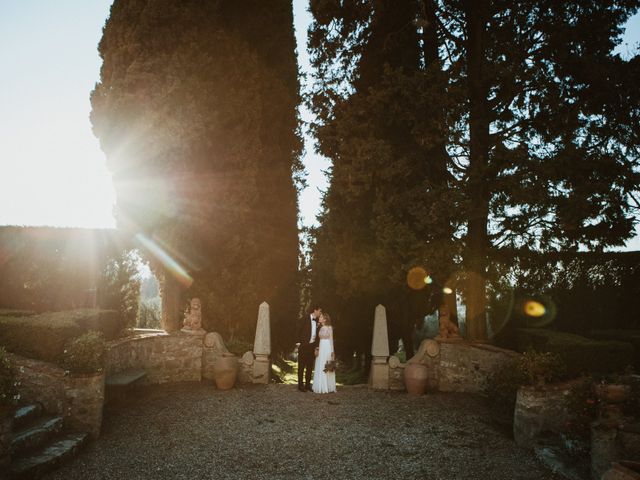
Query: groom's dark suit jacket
(304, 334)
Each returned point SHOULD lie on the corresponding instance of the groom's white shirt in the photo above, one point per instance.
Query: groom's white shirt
(313, 329)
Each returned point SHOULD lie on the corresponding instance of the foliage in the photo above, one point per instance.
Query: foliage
(119, 287)
(239, 347)
(456, 128)
(582, 406)
(44, 336)
(8, 383)
(85, 354)
(580, 354)
(532, 368)
(149, 314)
(196, 112)
(542, 367)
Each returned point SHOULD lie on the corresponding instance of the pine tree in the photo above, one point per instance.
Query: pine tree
(523, 141)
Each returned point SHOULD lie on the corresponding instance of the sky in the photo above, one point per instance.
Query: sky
(52, 171)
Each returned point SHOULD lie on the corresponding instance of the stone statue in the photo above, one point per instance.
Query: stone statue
(193, 319)
(447, 329)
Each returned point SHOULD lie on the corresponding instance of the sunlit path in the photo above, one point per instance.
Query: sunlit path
(191, 430)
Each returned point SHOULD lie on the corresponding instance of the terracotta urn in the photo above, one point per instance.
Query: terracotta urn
(416, 378)
(225, 371)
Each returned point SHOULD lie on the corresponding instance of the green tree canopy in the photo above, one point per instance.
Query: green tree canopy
(196, 112)
(459, 127)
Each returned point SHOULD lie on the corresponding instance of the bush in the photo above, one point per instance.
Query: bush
(43, 336)
(238, 346)
(580, 354)
(85, 354)
(8, 384)
(532, 368)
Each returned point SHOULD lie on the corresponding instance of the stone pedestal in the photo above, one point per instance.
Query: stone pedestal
(261, 369)
(379, 377)
(539, 410)
(262, 347)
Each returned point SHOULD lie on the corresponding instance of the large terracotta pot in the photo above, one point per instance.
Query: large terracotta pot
(225, 371)
(416, 378)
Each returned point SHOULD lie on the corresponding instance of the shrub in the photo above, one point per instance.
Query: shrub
(532, 368)
(37, 337)
(43, 336)
(238, 346)
(8, 384)
(85, 354)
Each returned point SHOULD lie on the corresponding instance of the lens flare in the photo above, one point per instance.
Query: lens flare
(533, 308)
(428, 280)
(171, 265)
(447, 291)
(417, 278)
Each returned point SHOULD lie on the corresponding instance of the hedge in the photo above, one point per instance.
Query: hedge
(621, 335)
(581, 355)
(43, 336)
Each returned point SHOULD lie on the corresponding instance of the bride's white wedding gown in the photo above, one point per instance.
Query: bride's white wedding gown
(324, 382)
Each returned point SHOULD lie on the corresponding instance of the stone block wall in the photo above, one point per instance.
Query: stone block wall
(166, 358)
(465, 367)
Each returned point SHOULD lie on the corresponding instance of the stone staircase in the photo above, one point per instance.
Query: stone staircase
(39, 443)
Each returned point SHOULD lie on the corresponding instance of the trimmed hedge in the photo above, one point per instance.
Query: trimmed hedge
(581, 355)
(43, 336)
(622, 335)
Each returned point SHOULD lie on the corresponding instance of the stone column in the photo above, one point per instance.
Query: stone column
(379, 377)
(262, 346)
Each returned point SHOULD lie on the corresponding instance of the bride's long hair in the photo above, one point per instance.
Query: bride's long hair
(327, 319)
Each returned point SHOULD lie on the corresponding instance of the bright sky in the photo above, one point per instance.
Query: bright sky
(52, 171)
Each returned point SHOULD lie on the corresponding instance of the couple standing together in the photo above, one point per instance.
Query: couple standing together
(315, 353)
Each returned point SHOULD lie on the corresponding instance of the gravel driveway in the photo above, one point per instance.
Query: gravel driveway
(192, 430)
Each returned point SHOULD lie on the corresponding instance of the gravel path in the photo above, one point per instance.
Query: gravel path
(192, 430)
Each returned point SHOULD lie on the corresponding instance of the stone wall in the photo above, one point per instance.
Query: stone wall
(465, 367)
(166, 358)
(41, 382)
(78, 398)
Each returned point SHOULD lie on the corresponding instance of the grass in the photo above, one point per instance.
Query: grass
(286, 371)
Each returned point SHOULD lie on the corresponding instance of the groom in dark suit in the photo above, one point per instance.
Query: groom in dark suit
(308, 341)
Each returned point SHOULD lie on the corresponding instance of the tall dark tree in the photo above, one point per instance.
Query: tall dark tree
(384, 211)
(521, 114)
(196, 111)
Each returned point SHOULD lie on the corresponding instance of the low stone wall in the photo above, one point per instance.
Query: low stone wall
(166, 358)
(465, 367)
(41, 382)
(78, 398)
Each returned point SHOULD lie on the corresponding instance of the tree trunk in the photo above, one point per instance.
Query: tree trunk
(476, 12)
(170, 291)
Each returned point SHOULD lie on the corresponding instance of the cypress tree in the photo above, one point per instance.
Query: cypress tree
(196, 112)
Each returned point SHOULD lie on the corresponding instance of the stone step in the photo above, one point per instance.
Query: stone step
(26, 414)
(41, 461)
(36, 435)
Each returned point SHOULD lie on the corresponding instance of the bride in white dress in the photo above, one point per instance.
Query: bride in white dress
(324, 381)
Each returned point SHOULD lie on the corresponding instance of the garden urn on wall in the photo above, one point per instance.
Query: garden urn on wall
(225, 371)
